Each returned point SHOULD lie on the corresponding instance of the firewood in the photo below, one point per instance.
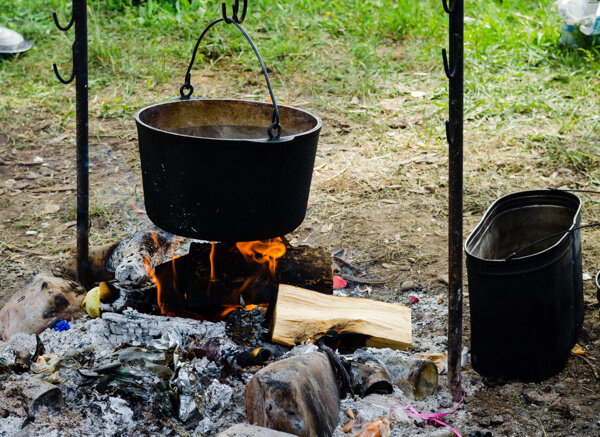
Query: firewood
(302, 314)
(191, 276)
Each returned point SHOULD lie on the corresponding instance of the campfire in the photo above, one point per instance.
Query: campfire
(178, 329)
(251, 324)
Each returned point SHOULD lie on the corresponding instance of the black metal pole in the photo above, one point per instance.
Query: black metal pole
(80, 74)
(81, 96)
(454, 67)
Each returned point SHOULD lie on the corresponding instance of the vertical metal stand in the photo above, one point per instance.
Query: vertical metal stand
(80, 74)
(454, 68)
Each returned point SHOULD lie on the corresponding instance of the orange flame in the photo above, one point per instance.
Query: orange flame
(174, 271)
(263, 252)
(231, 308)
(155, 238)
(213, 277)
(157, 283)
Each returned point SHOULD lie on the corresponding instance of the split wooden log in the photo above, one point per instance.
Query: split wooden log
(186, 281)
(302, 314)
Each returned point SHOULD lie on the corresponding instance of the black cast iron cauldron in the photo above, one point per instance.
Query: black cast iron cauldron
(221, 188)
(223, 169)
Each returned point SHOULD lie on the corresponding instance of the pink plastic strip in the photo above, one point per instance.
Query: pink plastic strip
(435, 417)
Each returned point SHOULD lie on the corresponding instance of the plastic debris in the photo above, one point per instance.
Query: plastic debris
(581, 22)
(414, 299)
(435, 418)
(577, 350)
(46, 363)
(61, 325)
(91, 303)
(339, 283)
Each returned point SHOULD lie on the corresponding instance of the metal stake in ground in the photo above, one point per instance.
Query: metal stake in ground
(80, 73)
(454, 69)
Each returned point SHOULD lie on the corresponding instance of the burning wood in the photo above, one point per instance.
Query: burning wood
(303, 314)
(214, 279)
(127, 260)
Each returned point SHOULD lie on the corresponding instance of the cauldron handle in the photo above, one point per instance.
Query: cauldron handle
(187, 89)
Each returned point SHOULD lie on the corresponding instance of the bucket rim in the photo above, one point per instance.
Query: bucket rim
(286, 138)
(510, 196)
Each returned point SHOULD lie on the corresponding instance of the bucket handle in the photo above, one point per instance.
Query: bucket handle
(187, 89)
(548, 237)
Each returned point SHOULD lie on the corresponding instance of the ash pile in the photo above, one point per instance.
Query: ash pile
(124, 367)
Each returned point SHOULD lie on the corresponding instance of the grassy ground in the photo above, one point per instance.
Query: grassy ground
(371, 69)
(519, 82)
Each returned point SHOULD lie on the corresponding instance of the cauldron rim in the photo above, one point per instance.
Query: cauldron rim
(286, 138)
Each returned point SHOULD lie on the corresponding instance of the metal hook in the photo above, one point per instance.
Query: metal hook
(235, 8)
(59, 77)
(449, 74)
(450, 9)
(65, 28)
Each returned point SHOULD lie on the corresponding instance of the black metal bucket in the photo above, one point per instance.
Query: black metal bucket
(526, 311)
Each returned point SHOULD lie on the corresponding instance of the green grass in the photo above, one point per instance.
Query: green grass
(519, 82)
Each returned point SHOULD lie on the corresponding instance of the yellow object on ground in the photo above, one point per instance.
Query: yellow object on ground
(91, 303)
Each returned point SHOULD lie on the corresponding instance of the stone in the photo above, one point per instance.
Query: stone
(246, 430)
(43, 300)
(407, 285)
(298, 395)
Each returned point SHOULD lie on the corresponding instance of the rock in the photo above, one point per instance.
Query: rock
(246, 430)
(298, 395)
(42, 301)
(407, 285)
(443, 279)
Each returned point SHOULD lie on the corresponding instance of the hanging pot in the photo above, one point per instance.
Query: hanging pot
(224, 169)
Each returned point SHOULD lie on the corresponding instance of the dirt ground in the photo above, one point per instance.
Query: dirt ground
(379, 197)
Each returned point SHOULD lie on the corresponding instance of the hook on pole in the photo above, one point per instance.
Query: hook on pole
(63, 28)
(235, 8)
(60, 78)
(449, 9)
(449, 74)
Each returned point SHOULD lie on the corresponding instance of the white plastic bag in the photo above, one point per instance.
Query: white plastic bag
(582, 14)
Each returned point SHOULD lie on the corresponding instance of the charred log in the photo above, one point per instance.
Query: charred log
(189, 284)
(226, 353)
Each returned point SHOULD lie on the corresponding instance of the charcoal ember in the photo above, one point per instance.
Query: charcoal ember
(141, 299)
(298, 395)
(369, 375)
(225, 352)
(246, 327)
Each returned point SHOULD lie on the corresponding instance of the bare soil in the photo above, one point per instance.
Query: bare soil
(378, 198)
